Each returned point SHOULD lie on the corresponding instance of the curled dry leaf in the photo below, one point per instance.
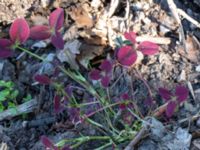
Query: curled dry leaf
(68, 54)
(81, 17)
(193, 46)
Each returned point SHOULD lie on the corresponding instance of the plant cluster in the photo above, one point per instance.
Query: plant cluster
(121, 119)
(8, 95)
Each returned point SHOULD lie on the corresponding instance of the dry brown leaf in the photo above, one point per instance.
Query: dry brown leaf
(88, 52)
(81, 17)
(39, 20)
(68, 54)
(193, 47)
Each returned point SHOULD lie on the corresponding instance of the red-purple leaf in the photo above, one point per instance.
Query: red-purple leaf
(148, 48)
(19, 30)
(5, 43)
(106, 66)
(131, 36)
(5, 53)
(57, 40)
(95, 74)
(5, 48)
(46, 142)
(56, 19)
(127, 56)
(57, 104)
(165, 94)
(105, 81)
(171, 107)
(125, 96)
(42, 79)
(181, 93)
(40, 32)
(122, 106)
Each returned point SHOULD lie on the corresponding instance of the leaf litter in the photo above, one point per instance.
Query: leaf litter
(91, 32)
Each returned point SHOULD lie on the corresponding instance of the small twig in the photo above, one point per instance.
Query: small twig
(26, 107)
(113, 6)
(191, 90)
(186, 16)
(136, 139)
(174, 11)
(160, 110)
(192, 118)
(145, 82)
(133, 97)
(113, 85)
(157, 40)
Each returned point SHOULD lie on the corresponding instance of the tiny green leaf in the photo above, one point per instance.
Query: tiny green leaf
(4, 94)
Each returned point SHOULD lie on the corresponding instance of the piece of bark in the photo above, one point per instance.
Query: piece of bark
(26, 107)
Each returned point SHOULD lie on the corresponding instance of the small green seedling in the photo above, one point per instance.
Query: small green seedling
(8, 95)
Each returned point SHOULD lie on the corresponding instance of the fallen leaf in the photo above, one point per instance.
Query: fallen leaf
(68, 54)
(81, 17)
(88, 52)
(193, 48)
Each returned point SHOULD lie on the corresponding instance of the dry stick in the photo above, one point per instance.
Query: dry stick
(20, 109)
(114, 4)
(133, 97)
(136, 139)
(157, 40)
(186, 16)
(141, 133)
(174, 11)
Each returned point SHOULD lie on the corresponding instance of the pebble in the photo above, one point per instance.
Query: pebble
(197, 69)
(45, 3)
(182, 76)
(198, 122)
(176, 57)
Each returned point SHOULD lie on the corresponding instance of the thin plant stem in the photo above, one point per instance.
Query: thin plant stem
(133, 96)
(104, 146)
(30, 53)
(113, 85)
(145, 82)
(108, 94)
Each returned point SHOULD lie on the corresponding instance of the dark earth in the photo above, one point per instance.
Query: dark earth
(85, 23)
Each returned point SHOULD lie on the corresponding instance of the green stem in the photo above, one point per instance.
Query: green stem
(104, 146)
(81, 140)
(30, 53)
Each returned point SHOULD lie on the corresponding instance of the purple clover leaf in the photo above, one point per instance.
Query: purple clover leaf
(174, 99)
(103, 74)
(127, 55)
(181, 93)
(52, 31)
(47, 143)
(42, 79)
(57, 104)
(19, 32)
(125, 98)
